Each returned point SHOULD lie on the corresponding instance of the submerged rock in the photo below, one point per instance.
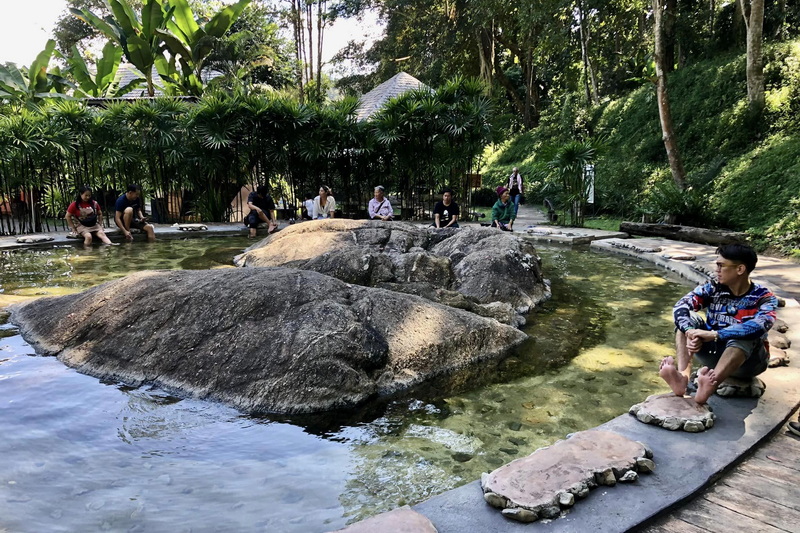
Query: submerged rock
(263, 340)
(492, 273)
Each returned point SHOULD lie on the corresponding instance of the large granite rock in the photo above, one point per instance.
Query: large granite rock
(263, 340)
(550, 479)
(483, 266)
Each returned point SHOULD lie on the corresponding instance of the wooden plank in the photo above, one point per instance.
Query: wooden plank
(674, 525)
(762, 487)
(718, 519)
(761, 509)
(785, 450)
(773, 470)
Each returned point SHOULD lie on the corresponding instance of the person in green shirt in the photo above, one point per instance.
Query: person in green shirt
(503, 212)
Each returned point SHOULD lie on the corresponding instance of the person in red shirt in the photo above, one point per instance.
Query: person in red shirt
(83, 216)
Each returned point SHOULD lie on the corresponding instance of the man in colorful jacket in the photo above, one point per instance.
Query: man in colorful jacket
(732, 341)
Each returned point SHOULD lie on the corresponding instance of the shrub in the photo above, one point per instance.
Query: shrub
(484, 197)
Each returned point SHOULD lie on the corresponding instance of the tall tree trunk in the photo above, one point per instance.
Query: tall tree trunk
(669, 14)
(712, 12)
(528, 108)
(664, 112)
(738, 23)
(779, 27)
(588, 69)
(298, 46)
(310, 47)
(486, 53)
(753, 13)
(320, 30)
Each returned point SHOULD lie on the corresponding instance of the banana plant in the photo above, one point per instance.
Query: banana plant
(192, 44)
(104, 82)
(139, 38)
(32, 84)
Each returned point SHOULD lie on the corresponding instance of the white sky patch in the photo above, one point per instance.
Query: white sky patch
(25, 26)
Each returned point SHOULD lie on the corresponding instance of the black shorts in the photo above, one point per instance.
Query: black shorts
(252, 220)
(138, 223)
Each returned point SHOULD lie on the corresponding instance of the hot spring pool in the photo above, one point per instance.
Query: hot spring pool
(78, 454)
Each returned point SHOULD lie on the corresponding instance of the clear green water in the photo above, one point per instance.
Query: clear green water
(83, 455)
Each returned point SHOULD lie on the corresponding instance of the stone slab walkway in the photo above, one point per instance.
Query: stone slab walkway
(163, 231)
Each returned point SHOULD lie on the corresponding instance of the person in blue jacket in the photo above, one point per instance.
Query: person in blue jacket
(732, 341)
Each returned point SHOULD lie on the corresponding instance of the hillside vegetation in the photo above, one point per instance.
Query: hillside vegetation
(744, 173)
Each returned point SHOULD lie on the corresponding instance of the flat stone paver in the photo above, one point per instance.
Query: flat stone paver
(551, 478)
(401, 520)
(569, 235)
(674, 412)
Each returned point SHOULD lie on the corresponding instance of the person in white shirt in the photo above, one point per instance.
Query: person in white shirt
(515, 188)
(379, 207)
(308, 208)
(324, 204)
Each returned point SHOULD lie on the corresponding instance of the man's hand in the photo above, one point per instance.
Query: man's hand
(696, 337)
(128, 235)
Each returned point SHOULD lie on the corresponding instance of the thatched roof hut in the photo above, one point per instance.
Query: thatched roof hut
(373, 101)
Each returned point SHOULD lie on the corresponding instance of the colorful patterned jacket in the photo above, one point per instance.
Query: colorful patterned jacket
(735, 317)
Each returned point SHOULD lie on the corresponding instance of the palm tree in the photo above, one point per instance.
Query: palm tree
(568, 167)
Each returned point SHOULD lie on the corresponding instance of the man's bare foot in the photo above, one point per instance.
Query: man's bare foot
(706, 385)
(669, 373)
(272, 229)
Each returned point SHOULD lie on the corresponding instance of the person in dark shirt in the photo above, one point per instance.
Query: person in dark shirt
(446, 212)
(732, 341)
(262, 209)
(128, 214)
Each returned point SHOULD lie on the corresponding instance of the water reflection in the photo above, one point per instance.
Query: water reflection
(80, 455)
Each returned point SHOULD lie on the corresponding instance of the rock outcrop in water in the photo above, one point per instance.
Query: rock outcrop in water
(483, 270)
(261, 339)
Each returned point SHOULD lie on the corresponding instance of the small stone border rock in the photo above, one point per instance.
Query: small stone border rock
(32, 239)
(551, 479)
(674, 412)
(633, 247)
(190, 227)
(742, 389)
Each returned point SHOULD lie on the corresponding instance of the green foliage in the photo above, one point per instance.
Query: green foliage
(484, 197)
(755, 188)
(784, 234)
(204, 153)
(566, 165)
(136, 35)
(741, 174)
(28, 85)
(190, 43)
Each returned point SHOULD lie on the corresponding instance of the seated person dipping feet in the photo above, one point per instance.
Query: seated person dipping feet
(503, 211)
(445, 213)
(732, 341)
(84, 217)
(128, 214)
(379, 207)
(324, 204)
(262, 209)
